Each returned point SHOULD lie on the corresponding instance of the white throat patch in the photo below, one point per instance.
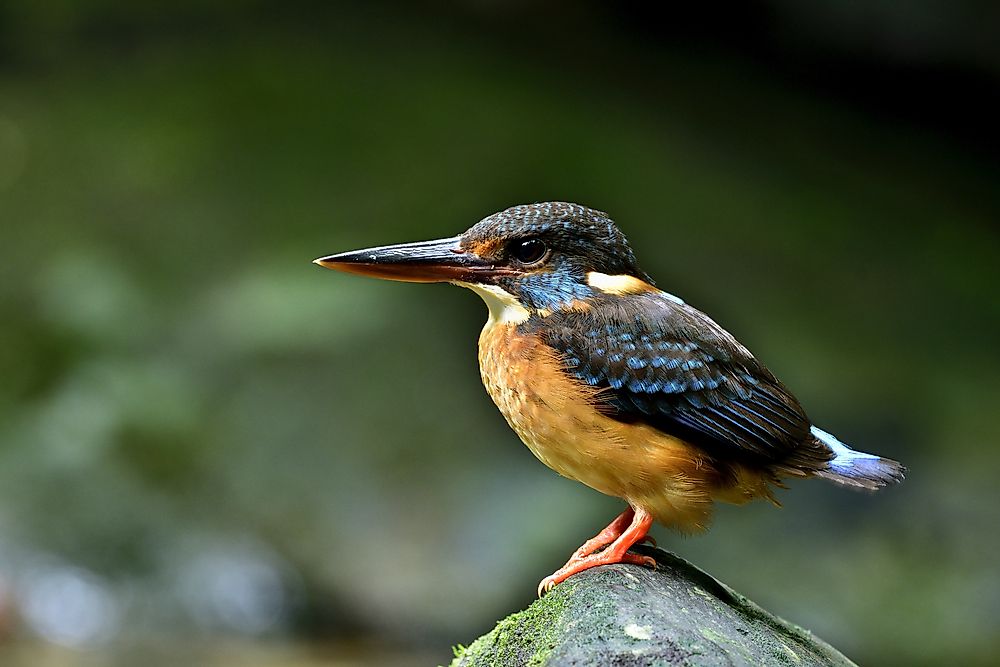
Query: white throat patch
(504, 307)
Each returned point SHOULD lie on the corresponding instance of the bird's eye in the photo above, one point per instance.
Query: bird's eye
(528, 251)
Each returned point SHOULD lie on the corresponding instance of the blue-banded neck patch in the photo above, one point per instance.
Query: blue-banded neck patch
(548, 290)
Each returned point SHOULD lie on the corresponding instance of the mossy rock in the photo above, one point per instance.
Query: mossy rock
(630, 616)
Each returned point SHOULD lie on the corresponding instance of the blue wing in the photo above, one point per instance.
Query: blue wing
(666, 364)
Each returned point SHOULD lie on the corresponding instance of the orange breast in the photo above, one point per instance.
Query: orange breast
(555, 415)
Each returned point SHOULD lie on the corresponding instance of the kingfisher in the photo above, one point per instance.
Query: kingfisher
(617, 384)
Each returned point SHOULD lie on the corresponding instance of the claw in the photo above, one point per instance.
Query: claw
(545, 586)
(636, 559)
(648, 538)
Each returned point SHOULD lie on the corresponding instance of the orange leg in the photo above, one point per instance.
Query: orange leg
(617, 537)
(611, 533)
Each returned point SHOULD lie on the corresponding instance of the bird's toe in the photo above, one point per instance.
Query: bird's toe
(637, 559)
(546, 585)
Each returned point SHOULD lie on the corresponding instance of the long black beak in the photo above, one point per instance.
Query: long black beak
(437, 261)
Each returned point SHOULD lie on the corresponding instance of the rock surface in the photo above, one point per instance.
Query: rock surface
(629, 616)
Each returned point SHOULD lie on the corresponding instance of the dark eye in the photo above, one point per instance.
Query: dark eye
(529, 251)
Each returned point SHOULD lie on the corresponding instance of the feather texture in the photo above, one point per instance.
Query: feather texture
(658, 361)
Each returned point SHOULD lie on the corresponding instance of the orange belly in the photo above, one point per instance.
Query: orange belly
(555, 415)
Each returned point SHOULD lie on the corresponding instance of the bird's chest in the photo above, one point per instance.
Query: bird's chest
(552, 413)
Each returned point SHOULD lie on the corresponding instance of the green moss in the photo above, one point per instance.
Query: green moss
(524, 638)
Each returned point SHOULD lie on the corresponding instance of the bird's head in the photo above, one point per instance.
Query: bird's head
(536, 257)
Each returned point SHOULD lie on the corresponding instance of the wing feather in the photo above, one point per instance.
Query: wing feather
(666, 364)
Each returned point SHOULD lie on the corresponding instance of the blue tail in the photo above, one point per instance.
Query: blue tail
(857, 469)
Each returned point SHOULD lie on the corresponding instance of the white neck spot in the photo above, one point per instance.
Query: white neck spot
(620, 284)
(623, 284)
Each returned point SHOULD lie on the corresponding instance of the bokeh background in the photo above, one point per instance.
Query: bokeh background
(214, 452)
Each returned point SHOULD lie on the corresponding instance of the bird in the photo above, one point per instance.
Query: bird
(617, 384)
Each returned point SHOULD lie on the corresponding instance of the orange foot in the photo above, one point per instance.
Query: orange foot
(629, 528)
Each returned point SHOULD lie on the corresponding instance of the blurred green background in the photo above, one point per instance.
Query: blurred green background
(214, 452)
